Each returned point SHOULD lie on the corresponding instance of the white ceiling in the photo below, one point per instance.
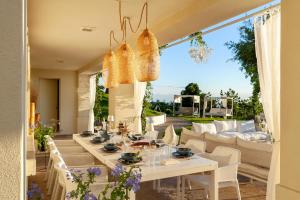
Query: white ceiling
(57, 41)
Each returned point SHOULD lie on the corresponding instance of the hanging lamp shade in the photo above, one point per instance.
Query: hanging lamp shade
(126, 60)
(110, 71)
(148, 57)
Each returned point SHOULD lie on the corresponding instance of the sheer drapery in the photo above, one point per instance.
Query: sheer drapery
(92, 91)
(267, 45)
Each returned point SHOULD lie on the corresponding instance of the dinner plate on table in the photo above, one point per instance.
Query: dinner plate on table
(110, 148)
(110, 151)
(136, 137)
(130, 158)
(86, 134)
(178, 155)
(130, 162)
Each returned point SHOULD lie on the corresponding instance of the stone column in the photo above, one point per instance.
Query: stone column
(13, 85)
(125, 102)
(289, 187)
(83, 102)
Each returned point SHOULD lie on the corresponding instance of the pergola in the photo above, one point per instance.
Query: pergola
(218, 107)
(178, 100)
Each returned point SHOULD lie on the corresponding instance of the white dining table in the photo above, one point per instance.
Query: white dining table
(195, 164)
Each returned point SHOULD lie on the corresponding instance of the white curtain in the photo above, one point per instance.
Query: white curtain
(267, 45)
(92, 97)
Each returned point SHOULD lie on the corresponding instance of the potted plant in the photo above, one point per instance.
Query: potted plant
(39, 135)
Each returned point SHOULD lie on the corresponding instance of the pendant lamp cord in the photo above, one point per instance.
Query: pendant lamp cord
(123, 21)
(145, 8)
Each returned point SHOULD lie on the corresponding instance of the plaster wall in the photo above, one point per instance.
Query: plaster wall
(68, 95)
(12, 95)
(289, 188)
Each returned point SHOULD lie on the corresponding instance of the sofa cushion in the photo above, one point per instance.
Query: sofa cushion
(187, 134)
(222, 160)
(228, 125)
(204, 128)
(213, 140)
(246, 126)
(254, 170)
(255, 153)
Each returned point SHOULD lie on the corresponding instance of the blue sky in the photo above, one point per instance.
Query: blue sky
(218, 73)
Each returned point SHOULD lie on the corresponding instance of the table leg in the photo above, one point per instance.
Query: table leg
(214, 187)
(182, 187)
(178, 187)
(131, 195)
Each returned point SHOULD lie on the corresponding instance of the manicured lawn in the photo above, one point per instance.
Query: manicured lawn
(200, 120)
(150, 113)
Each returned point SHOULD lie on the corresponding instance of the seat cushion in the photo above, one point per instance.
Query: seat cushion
(213, 140)
(246, 126)
(228, 125)
(204, 128)
(187, 134)
(254, 170)
(255, 153)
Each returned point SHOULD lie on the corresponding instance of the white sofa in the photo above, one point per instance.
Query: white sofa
(255, 146)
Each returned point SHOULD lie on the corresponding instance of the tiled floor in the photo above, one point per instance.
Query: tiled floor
(249, 191)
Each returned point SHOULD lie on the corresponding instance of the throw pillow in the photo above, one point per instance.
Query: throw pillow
(204, 128)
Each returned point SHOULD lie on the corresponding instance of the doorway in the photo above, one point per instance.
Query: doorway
(49, 102)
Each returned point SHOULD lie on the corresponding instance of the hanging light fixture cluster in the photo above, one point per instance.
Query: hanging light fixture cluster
(124, 67)
(199, 50)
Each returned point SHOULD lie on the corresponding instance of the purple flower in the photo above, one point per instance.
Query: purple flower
(68, 196)
(34, 192)
(89, 196)
(94, 170)
(116, 172)
(134, 181)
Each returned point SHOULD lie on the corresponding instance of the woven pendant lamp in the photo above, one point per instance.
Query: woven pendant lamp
(126, 60)
(110, 71)
(148, 57)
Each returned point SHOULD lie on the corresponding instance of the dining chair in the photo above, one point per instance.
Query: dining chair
(82, 160)
(226, 175)
(62, 150)
(65, 185)
(57, 154)
(197, 146)
(65, 142)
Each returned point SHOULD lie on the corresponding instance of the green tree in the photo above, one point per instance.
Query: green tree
(101, 101)
(146, 104)
(244, 54)
(191, 89)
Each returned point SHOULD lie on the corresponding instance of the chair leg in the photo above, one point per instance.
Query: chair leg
(189, 184)
(206, 193)
(63, 193)
(55, 192)
(158, 185)
(154, 184)
(48, 169)
(237, 187)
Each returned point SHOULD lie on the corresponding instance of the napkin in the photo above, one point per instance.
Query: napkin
(170, 162)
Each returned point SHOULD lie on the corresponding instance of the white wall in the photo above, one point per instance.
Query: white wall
(289, 188)
(68, 95)
(12, 95)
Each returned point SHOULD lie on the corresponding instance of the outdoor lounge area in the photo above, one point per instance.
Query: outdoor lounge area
(78, 119)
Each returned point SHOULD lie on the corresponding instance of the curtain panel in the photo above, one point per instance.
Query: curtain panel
(92, 98)
(267, 29)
